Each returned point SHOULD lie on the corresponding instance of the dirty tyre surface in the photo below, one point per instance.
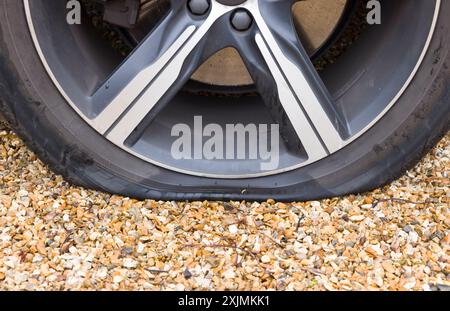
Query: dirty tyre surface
(41, 116)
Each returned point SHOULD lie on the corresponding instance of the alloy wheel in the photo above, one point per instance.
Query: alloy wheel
(203, 66)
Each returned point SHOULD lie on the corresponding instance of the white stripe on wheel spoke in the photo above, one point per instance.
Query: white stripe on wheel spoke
(298, 97)
(143, 93)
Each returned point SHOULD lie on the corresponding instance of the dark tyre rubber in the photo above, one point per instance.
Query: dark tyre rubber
(35, 109)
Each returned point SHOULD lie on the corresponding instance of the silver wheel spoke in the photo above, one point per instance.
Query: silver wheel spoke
(301, 93)
(144, 88)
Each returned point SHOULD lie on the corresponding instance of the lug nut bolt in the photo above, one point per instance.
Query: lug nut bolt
(199, 7)
(241, 20)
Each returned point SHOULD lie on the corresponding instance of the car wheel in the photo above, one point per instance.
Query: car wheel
(227, 99)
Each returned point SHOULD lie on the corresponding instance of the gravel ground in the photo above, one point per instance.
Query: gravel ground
(56, 237)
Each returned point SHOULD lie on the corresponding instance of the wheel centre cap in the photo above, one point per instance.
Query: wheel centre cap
(231, 2)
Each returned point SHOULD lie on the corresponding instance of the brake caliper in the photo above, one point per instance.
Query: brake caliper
(123, 13)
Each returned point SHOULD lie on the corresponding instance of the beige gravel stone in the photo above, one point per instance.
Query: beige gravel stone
(54, 236)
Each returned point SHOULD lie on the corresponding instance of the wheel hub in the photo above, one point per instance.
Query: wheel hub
(315, 20)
